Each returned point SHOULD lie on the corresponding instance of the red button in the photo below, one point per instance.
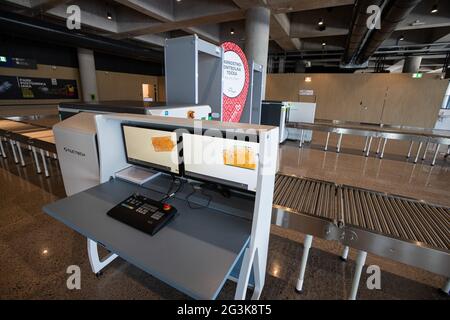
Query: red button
(166, 206)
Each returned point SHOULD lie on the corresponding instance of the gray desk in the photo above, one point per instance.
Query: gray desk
(194, 253)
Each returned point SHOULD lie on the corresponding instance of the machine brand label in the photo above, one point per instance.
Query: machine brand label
(76, 152)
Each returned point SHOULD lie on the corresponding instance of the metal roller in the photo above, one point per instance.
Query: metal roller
(387, 215)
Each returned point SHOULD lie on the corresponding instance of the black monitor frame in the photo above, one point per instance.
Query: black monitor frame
(207, 179)
(150, 165)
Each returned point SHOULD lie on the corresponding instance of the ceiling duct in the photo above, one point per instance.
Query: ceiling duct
(394, 12)
(31, 28)
(358, 30)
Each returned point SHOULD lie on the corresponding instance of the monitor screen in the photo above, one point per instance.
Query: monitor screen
(225, 161)
(152, 148)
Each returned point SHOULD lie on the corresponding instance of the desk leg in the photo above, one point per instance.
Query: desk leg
(14, 151)
(44, 161)
(259, 283)
(301, 276)
(38, 167)
(418, 152)
(360, 261)
(365, 144)
(435, 154)
(244, 275)
(338, 147)
(384, 147)
(301, 138)
(19, 149)
(410, 149)
(326, 143)
(379, 145)
(426, 149)
(96, 264)
(368, 147)
(1, 148)
(344, 255)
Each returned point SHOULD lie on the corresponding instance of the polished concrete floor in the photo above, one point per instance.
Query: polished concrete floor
(35, 249)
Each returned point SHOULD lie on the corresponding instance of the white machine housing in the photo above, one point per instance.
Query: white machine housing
(76, 145)
(113, 159)
(301, 112)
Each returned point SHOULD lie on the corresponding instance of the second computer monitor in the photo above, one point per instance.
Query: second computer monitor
(225, 161)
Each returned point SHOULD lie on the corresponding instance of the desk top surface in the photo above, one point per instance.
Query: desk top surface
(194, 253)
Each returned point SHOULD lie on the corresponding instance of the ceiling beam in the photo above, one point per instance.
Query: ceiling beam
(151, 9)
(169, 23)
(285, 6)
(44, 6)
(184, 24)
(280, 29)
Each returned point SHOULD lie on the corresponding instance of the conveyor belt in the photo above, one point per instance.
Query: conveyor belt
(307, 196)
(393, 227)
(384, 215)
(397, 217)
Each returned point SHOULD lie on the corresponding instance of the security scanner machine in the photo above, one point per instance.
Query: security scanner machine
(279, 113)
(194, 74)
(76, 143)
(213, 191)
(252, 109)
(274, 113)
(68, 109)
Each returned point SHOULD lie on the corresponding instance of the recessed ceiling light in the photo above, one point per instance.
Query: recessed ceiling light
(434, 9)
(417, 23)
(109, 16)
(308, 79)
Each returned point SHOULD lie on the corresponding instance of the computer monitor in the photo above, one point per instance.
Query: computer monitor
(225, 161)
(151, 148)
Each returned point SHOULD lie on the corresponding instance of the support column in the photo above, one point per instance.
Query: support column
(300, 66)
(86, 66)
(412, 64)
(270, 64)
(257, 27)
(281, 63)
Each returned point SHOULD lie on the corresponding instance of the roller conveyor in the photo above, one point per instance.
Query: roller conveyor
(307, 196)
(397, 228)
(397, 217)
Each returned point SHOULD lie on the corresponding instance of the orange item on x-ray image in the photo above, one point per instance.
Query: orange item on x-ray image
(163, 144)
(240, 156)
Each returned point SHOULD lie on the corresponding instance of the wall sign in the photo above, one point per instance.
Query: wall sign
(21, 63)
(306, 92)
(37, 88)
(235, 82)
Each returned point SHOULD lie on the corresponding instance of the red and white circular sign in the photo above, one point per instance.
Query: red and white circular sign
(235, 82)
